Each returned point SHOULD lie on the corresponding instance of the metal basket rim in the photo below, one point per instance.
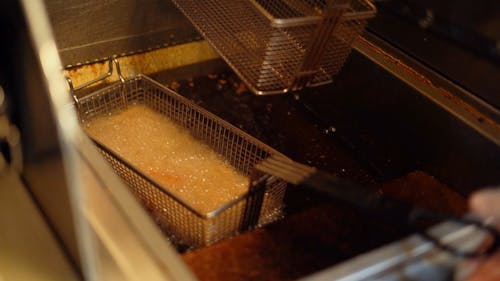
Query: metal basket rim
(303, 20)
(217, 211)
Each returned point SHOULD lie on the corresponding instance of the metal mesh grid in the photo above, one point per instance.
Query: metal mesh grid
(266, 41)
(184, 225)
(338, 49)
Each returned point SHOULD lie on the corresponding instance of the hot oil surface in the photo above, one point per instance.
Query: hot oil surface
(171, 156)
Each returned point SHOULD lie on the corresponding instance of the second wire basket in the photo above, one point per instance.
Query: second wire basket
(277, 46)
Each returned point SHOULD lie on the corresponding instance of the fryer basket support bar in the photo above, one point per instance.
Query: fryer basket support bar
(113, 61)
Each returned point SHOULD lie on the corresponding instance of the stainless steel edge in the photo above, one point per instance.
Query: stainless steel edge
(462, 104)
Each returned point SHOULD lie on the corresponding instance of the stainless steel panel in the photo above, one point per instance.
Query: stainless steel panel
(95, 30)
(91, 210)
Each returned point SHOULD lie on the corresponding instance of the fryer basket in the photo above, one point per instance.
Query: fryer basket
(280, 45)
(185, 226)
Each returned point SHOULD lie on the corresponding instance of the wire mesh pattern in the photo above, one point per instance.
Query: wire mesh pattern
(185, 226)
(269, 43)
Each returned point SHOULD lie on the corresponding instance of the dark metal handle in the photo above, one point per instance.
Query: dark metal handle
(373, 203)
(399, 212)
(358, 196)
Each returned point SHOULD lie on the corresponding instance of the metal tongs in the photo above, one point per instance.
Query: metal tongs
(380, 206)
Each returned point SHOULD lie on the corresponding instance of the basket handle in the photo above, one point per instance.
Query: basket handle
(111, 62)
(379, 206)
(332, 14)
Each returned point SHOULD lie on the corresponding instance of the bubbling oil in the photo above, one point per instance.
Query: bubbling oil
(171, 156)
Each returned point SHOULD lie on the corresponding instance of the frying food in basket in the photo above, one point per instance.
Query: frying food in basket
(171, 156)
(190, 169)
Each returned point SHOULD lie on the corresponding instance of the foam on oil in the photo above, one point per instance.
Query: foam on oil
(171, 156)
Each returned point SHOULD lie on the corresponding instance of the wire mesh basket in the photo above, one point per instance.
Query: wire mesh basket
(184, 225)
(276, 46)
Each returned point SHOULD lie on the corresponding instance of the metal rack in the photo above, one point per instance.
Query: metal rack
(280, 46)
(186, 226)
